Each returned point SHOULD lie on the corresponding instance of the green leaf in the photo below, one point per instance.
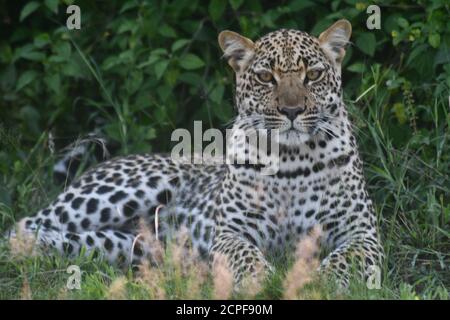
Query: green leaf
(151, 60)
(423, 64)
(126, 26)
(74, 68)
(222, 111)
(110, 62)
(164, 92)
(31, 117)
(357, 67)
(33, 56)
(54, 82)
(64, 50)
(167, 31)
(160, 68)
(171, 76)
(150, 133)
(42, 40)
(159, 51)
(402, 22)
(216, 9)
(52, 5)
(127, 56)
(442, 57)
(134, 82)
(191, 78)
(235, 4)
(26, 78)
(179, 44)
(29, 8)
(420, 49)
(366, 42)
(297, 5)
(191, 61)
(400, 112)
(6, 54)
(128, 5)
(434, 40)
(216, 94)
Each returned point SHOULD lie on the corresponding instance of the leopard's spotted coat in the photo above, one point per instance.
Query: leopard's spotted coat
(287, 80)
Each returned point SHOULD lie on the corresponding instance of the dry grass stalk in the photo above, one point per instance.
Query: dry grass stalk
(153, 279)
(190, 271)
(25, 292)
(149, 243)
(149, 276)
(252, 285)
(305, 267)
(196, 278)
(179, 264)
(23, 244)
(222, 277)
(118, 289)
(62, 294)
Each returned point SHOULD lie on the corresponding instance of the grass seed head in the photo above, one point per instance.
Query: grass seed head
(222, 277)
(23, 244)
(118, 289)
(305, 266)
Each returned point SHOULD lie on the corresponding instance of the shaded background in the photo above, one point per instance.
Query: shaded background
(139, 69)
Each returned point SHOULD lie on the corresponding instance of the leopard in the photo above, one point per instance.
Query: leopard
(288, 82)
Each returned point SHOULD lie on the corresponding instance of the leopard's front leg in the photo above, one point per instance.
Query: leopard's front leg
(360, 253)
(243, 258)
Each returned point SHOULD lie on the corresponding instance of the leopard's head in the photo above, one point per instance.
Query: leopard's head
(289, 80)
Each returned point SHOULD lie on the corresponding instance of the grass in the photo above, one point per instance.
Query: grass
(25, 276)
(407, 175)
(177, 277)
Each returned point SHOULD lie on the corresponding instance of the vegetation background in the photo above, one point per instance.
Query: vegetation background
(139, 69)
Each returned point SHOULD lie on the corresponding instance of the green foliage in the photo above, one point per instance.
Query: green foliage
(138, 69)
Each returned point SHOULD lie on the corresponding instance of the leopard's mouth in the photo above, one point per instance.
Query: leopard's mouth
(293, 128)
(292, 132)
(302, 126)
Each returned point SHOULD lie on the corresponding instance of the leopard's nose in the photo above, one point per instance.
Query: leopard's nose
(291, 112)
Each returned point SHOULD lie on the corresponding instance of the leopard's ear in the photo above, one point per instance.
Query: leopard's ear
(334, 40)
(238, 50)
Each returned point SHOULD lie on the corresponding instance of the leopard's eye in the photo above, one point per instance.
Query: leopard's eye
(313, 75)
(265, 76)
